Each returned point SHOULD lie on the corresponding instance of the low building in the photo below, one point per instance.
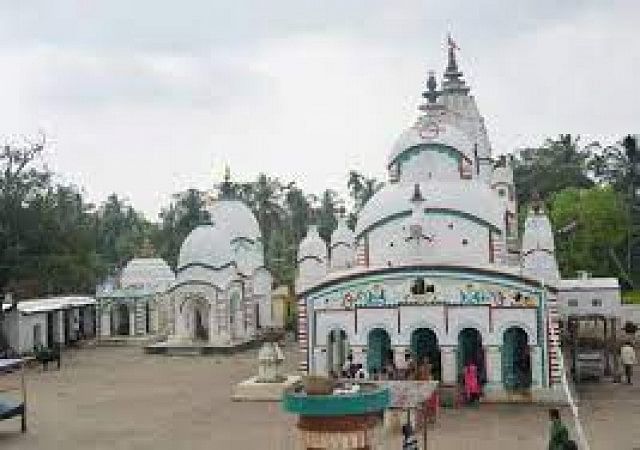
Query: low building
(45, 322)
(587, 296)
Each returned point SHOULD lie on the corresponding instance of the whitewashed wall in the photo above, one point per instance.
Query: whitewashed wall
(610, 302)
(388, 243)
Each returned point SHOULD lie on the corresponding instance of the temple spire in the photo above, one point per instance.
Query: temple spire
(226, 188)
(453, 82)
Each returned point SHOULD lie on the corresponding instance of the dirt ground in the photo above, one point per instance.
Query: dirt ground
(119, 398)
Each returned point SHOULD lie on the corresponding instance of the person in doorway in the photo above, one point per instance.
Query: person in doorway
(348, 368)
(471, 383)
(361, 374)
(402, 367)
(559, 435)
(628, 359)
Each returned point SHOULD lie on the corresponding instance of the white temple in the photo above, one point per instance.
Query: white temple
(132, 305)
(222, 293)
(434, 267)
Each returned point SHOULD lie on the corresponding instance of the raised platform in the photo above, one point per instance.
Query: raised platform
(252, 390)
(199, 348)
(116, 341)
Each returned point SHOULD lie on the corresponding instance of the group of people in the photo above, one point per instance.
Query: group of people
(409, 368)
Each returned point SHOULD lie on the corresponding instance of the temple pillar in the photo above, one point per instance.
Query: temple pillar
(448, 361)
(494, 365)
(132, 318)
(105, 319)
(536, 366)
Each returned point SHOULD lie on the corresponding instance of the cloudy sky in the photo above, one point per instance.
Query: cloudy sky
(149, 97)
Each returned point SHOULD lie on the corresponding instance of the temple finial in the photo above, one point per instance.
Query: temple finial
(226, 190)
(431, 94)
(453, 82)
(452, 64)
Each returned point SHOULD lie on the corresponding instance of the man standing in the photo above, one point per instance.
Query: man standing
(628, 359)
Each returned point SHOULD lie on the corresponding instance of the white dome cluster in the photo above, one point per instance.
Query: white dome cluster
(232, 239)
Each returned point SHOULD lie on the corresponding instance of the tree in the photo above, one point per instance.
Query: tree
(21, 178)
(558, 164)
(601, 222)
(326, 219)
(186, 212)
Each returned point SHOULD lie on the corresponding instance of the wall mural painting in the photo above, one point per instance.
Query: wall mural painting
(450, 291)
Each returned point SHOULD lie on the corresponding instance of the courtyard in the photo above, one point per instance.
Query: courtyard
(120, 398)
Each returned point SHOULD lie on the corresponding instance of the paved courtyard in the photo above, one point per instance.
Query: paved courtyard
(119, 398)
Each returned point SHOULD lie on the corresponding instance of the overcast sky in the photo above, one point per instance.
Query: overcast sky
(146, 98)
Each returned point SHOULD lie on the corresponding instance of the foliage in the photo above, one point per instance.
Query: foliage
(600, 228)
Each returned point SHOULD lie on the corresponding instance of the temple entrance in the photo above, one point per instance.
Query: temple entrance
(122, 310)
(470, 351)
(424, 348)
(516, 359)
(200, 320)
(337, 351)
(378, 349)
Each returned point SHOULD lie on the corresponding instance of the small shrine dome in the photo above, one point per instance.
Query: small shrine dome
(207, 245)
(312, 246)
(342, 235)
(146, 273)
(538, 234)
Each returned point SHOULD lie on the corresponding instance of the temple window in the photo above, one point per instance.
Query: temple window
(596, 302)
(450, 226)
(501, 192)
(417, 288)
(572, 302)
(465, 241)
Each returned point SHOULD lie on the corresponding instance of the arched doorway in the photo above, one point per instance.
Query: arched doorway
(200, 320)
(516, 359)
(123, 319)
(337, 351)
(378, 348)
(424, 344)
(470, 350)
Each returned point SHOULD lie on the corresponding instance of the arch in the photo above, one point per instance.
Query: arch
(531, 333)
(516, 359)
(471, 324)
(425, 348)
(378, 348)
(337, 350)
(471, 350)
(431, 326)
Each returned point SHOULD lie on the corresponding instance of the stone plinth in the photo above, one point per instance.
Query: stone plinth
(257, 391)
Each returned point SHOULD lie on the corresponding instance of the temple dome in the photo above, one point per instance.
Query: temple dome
(208, 245)
(441, 133)
(471, 198)
(342, 234)
(312, 245)
(235, 217)
(152, 273)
